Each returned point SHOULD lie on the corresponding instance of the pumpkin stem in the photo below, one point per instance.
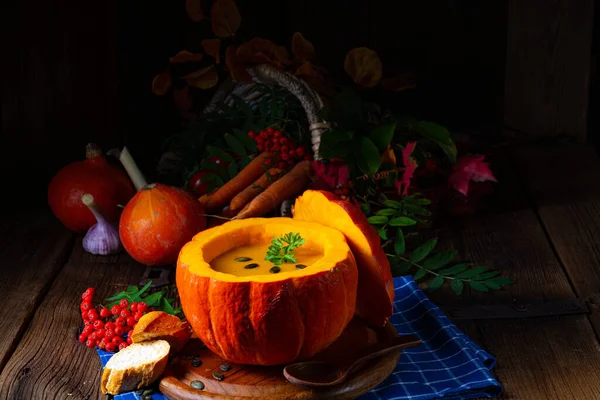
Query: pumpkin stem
(132, 169)
(92, 150)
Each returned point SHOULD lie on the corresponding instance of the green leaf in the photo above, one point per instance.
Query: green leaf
(245, 139)
(166, 307)
(440, 135)
(215, 151)
(382, 233)
(347, 108)
(365, 208)
(486, 275)
(457, 285)
(480, 287)
(235, 144)
(245, 160)
(423, 251)
(386, 212)
(501, 281)
(366, 155)
(456, 269)
(145, 288)
(377, 220)
(403, 267)
(440, 260)
(232, 170)
(411, 208)
(393, 203)
(382, 135)
(154, 299)
(214, 178)
(131, 289)
(402, 221)
(436, 283)
(420, 274)
(243, 106)
(472, 272)
(118, 296)
(419, 202)
(399, 243)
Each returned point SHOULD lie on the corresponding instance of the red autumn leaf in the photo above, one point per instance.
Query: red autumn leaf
(236, 67)
(334, 174)
(162, 83)
(194, 10)
(212, 47)
(410, 165)
(185, 56)
(262, 51)
(226, 19)
(470, 168)
(302, 48)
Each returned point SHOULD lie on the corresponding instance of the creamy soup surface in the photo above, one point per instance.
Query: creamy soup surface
(226, 262)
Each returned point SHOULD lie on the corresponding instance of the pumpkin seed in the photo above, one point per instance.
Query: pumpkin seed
(300, 266)
(196, 362)
(197, 385)
(225, 367)
(250, 266)
(147, 392)
(147, 397)
(275, 270)
(218, 376)
(242, 259)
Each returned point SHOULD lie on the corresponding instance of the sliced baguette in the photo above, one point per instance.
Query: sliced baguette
(134, 367)
(158, 325)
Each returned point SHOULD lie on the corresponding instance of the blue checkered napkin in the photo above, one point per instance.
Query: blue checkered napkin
(448, 365)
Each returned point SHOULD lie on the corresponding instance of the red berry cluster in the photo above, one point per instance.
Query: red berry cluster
(283, 149)
(108, 329)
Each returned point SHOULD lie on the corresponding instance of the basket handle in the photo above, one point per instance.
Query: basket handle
(310, 100)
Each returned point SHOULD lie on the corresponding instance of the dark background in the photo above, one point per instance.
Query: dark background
(77, 72)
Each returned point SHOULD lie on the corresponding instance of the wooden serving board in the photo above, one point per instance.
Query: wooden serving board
(246, 382)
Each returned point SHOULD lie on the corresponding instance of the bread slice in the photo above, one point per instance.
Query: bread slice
(134, 367)
(158, 325)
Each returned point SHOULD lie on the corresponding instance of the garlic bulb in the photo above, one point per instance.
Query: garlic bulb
(102, 238)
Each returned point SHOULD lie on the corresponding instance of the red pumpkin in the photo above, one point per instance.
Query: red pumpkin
(158, 221)
(109, 185)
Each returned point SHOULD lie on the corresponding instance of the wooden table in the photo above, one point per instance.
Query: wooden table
(544, 329)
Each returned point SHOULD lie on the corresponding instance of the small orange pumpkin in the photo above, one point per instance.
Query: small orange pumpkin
(158, 221)
(264, 318)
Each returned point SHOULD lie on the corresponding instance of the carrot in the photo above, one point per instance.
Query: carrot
(246, 195)
(245, 177)
(287, 186)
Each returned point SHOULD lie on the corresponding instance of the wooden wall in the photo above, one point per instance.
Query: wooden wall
(75, 72)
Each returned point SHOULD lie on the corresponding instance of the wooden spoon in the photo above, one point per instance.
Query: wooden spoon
(322, 373)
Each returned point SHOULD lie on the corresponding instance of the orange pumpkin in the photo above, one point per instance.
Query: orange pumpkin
(253, 316)
(375, 297)
(158, 221)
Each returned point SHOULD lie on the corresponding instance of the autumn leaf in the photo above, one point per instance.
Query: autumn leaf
(410, 165)
(262, 51)
(470, 168)
(162, 83)
(194, 10)
(212, 47)
(364, 66)
(388, 156)
(302, 48)
(236, 68)
(402, 81)
(185, 56)
(315, 77)
(226, 19)
(204, 78)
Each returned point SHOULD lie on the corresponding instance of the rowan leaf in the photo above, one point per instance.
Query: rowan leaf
(436, 283)
(480, 287)
(364, 66)
(457, 285)
(377, 220)
(402, 221)
(420, 274)
(194, 10)
(162, 83)
(386, 212)
(212, 47)
(440, 260)
(456, 269)
(382, 233)
(204, 78)
(302, 48)
(393, 203)
(235, 144)
(225, 17)
(399, 243)
(471, 273)
(423, 250)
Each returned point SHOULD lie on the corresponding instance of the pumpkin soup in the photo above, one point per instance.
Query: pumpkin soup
(250, 260)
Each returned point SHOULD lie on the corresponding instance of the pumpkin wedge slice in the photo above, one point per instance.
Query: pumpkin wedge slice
(375, 297)
(250, 311)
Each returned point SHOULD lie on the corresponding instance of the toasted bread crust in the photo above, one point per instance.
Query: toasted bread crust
(115, 381)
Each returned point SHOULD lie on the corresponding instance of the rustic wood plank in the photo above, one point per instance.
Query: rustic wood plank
(563, 181)
(548, 66)
(49, 362)
(29, 262)
(545, 358)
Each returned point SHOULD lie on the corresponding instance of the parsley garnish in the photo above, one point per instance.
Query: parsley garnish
(282, 249)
